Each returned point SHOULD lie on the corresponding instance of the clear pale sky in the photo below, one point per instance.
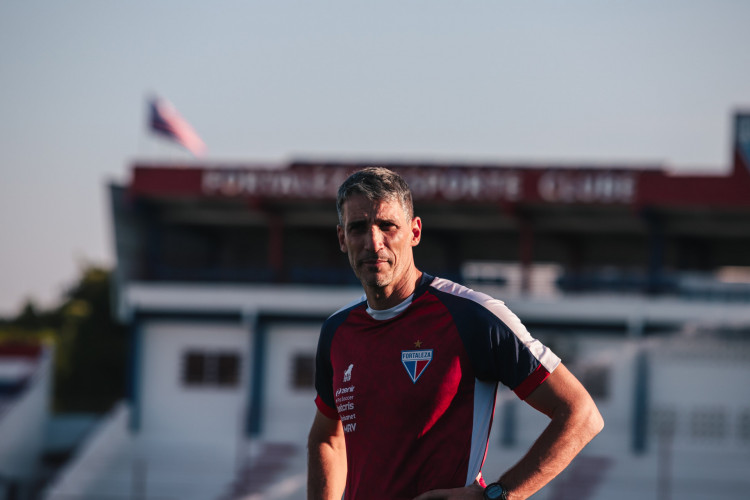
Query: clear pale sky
(593, 81)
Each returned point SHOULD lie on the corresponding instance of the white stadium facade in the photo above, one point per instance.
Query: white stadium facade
(639, 278)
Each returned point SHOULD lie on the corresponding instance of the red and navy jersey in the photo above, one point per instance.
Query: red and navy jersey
(415, 392)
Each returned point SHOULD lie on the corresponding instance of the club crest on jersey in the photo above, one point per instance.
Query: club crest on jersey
(415, 362)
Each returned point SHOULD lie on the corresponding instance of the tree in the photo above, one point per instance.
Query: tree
(90, 345)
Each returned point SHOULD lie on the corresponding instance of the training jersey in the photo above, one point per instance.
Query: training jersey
(415, 389)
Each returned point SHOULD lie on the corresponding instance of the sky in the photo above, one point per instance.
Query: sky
(599, 82)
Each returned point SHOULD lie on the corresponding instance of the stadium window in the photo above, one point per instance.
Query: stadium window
(663, 421)
(595, 378)
(228, 370)
(708, 423)
(210, 369)
(303, 372)
(193, 368)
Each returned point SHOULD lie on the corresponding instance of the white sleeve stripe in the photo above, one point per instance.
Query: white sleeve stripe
(484, 409)
(546, 357)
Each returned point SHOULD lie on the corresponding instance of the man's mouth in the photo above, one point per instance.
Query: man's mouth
(374, 261)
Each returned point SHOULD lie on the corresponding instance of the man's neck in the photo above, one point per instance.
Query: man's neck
(391, 296)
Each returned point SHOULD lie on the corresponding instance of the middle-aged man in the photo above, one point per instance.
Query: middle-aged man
(407, 376)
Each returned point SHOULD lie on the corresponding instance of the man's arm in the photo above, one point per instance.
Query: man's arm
(326, 462)
(575, 421)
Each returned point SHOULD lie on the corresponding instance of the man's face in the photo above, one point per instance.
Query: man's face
(378, 238)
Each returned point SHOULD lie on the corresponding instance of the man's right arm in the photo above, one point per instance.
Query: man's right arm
(326, 462)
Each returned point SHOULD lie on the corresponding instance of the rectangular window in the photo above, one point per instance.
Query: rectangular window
(663, 421)
(708, 423)
(228, 370)
(210, 369)
(194, 368)
(595, 378)
(303, 371)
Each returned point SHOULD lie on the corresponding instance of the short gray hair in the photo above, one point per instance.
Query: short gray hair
(376, 183)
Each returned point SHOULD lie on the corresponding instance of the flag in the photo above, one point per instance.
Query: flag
(167, 121)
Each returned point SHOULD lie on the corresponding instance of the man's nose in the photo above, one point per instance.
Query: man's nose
(374, 239)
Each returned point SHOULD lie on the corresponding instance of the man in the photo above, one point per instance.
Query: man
(407, 378)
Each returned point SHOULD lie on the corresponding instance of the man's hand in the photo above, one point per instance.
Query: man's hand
(471, 492)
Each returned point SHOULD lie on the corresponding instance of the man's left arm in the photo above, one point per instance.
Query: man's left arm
(575, 420)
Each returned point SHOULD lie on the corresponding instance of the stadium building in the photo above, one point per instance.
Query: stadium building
(637, 276)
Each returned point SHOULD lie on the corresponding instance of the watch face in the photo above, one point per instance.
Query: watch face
(494, 491)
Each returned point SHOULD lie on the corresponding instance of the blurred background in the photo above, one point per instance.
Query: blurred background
(162, 283)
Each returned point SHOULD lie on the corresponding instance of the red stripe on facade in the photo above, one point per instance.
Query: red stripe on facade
(513, 184)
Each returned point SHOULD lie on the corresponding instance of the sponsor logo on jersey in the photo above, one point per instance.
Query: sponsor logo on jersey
(348, 373)
(345, 407)
(344, 390)
(416, 362)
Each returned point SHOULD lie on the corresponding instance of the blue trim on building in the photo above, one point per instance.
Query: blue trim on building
(224, 316)
(255, 409)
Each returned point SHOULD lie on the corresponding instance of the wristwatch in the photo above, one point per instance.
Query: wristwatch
(495, 491)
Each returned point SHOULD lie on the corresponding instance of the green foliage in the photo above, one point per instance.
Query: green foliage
(90, 346)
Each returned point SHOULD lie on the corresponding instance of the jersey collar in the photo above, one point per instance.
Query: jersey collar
(384, 314)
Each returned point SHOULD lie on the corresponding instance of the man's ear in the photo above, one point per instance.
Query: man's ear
(416, 231)
(342, 240)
